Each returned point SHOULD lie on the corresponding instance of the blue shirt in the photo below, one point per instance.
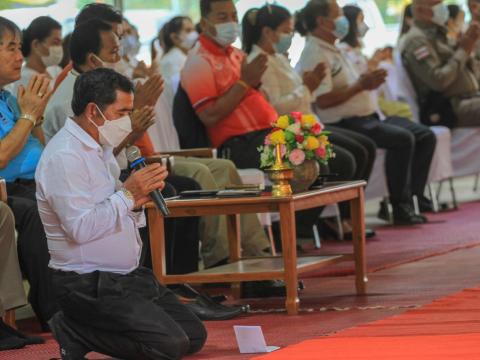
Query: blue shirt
(24, 164)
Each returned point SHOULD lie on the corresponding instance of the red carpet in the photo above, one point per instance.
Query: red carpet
(416, 283)
(448, 328)
(393, 246)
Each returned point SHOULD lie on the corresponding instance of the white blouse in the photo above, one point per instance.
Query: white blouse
(27, 73)
(171, 64)
(282, 85)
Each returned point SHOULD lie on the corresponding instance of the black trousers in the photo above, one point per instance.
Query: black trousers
(32, 248)
(355, 154)
(410, 149)
(242, 150)
(354, 158)
(128, 316)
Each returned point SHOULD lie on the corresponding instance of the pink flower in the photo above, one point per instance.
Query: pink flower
(321, 152)
(283, 150)
(297, 116)
(316, 129)
(296, 157)
(267, 141)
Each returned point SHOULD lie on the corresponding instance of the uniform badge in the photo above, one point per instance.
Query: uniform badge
(421, 53)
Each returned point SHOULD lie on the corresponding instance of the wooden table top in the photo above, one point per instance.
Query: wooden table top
(328, 188)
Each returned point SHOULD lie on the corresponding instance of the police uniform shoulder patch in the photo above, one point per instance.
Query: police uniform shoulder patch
(421, 53)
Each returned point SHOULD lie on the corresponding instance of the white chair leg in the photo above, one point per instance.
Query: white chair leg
(439, 190)
(452, 192)
(272, 240)
(316, 237)
(416, 207)
(433, 197)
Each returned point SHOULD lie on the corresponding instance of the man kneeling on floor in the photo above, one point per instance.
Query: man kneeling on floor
(109, 303)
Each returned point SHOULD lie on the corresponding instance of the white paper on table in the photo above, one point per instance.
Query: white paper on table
(250, 340)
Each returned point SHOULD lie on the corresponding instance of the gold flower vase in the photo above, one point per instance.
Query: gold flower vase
(280, 175)
(304, 176)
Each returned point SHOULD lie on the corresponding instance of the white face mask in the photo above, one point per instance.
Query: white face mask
(440, 14)
(113, 132)
(227, 33)
(130, 46)
(189, 40)
(362, 29)
(55, 56)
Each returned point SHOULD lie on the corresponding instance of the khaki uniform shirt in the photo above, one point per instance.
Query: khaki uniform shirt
(434, 65)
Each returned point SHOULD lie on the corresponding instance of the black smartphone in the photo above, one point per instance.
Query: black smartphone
(198, 193)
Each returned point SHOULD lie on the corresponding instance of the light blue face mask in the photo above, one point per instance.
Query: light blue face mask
(341, 27)
(440, 14)
(283, 43)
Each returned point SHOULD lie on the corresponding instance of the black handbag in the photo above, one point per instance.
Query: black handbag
(437, 110)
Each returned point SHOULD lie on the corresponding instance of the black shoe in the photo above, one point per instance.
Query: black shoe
(206, 309)
(369, 233)
(11, 343)
(383, 212)
(403, 214)
(70, 349)
(424, 204)
(29, 340)
(266, 288)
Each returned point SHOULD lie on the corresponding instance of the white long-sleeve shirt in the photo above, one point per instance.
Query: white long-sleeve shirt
(89, 223)
(282, 85)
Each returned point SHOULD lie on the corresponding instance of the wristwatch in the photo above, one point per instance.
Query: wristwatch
(28, 117)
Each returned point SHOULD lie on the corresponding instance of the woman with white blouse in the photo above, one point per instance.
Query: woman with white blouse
(42, 50)
(178, 36)
(269, 30)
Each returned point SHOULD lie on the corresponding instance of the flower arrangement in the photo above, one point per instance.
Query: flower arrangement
(301, 137)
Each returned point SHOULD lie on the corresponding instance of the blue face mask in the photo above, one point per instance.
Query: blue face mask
(341, 27)
(283, 44)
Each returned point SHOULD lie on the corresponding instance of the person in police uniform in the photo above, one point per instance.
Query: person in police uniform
(434, 65)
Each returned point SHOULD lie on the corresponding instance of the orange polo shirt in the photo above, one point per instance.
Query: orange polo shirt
(144, 143)
(210, 71)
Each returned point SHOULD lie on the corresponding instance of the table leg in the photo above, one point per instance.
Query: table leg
(357, 206)
(289, 246)
(157, 243)
(234, 243)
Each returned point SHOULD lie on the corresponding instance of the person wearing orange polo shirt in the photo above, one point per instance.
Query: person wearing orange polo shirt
(222, 87)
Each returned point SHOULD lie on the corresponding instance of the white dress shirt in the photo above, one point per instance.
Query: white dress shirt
(59, 106)
(89, 223)
(282, 85)
(340, 74)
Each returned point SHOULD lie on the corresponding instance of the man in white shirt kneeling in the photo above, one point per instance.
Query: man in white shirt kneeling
(109, 303)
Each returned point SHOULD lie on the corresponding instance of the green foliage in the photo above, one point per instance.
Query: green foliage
(12, 4)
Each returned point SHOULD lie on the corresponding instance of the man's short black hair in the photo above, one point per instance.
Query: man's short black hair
(8, 26)
(86, 38)
(206, 6)
(103, 12)
(98, 86)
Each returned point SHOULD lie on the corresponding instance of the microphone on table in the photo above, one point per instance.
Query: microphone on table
(137, 162)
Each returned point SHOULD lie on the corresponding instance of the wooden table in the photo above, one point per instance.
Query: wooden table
(285, 267)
